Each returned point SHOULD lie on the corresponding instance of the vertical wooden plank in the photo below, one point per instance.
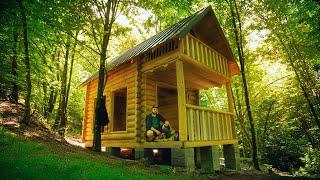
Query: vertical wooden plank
(223, 126)
(193, 47)
(208, 125)
(200, 50)
(156, 93)
(230, 127)
(198, 132)
(226, 66)
(197, 50)
(188, 123)
(220, 129)
(218, 126)
(227, 125)
(212, 59)
(219, 64)
(210, 130)
(214, 125)
(181, 101)
(216, 62)
(202, 53)
(181, 45)
(203, 125)
(222, 65)
(211, 126)
(187, 45)
(191, 132)
(209, 58)
(231, 108)
(206, 56)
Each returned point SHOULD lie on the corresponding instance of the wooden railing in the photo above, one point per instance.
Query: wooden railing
(199, 51)
(205, 124)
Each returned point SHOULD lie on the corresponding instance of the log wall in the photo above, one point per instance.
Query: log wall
(125, 77)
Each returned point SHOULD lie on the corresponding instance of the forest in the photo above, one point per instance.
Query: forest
(48, 48)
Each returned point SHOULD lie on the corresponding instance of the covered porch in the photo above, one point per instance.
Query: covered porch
(178, 79)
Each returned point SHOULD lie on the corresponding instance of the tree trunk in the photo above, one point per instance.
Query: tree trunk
(239, 42)
(51, 102)
(60, 121)
(71, 70)
(45, 97)
(15, 90)
(26, 117)
(53, 92)
(312, 107)
(244, 133)
(109, 17)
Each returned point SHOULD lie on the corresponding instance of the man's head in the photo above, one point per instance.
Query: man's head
(155, 109)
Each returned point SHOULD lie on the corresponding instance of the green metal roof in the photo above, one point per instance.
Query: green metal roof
(178, 29)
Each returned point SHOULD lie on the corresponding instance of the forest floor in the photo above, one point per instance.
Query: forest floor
(34, 152)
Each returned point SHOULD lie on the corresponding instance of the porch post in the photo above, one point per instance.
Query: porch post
(231, 108)
(182, 113)
(231, 151)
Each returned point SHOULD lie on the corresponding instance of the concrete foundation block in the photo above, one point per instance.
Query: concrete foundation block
(183, 157)
(231, 156)
(210, 159)
(138, 153)
(113, 151)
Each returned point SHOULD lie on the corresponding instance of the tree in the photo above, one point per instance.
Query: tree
(107, 11)
(15, 88)
(26, 117)
(237, 29)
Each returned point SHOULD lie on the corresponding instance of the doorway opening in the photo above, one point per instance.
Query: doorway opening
(120, 110)
(168, 105)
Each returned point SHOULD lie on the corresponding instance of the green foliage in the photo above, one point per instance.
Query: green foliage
(312, 162)
(215, 98)
(283, 151)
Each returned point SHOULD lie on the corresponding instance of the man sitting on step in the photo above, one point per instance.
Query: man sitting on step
(157, 126)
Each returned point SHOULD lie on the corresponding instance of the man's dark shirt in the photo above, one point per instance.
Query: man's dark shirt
(149, 119)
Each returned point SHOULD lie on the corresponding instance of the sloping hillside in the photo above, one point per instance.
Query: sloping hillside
(34, 152)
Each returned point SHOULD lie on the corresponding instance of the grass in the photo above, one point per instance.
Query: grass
(22, 158)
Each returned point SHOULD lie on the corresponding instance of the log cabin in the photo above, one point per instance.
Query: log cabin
(169, 69)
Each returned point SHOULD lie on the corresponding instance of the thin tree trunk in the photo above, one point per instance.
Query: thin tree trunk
(53, 92)
(45, 97)
(109, 18)
(60, 121)
(51, 102)
(15, 88)
(71, 70)
(26, 117)
(301, 84)
(245, 136)
(238, 36)
(97, 126)
(265, 127)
